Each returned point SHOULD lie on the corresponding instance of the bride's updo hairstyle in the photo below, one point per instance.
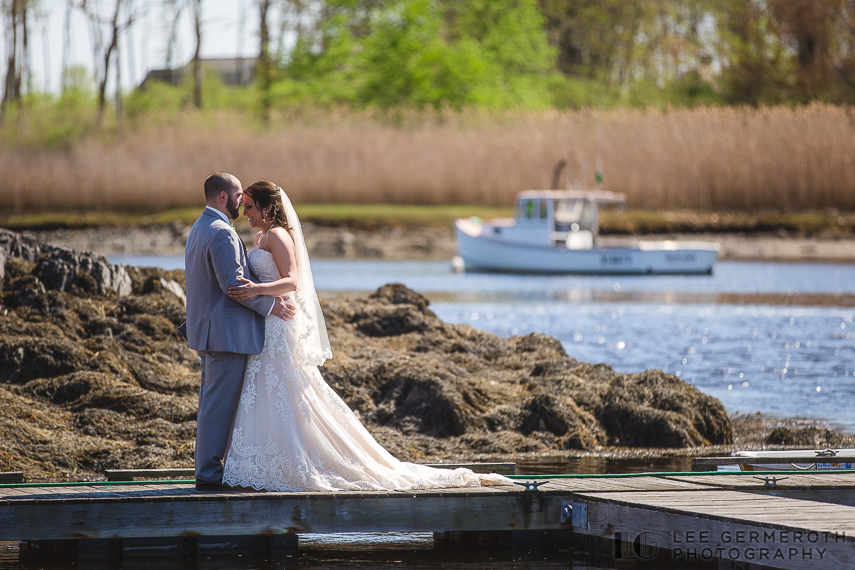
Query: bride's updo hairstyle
(265, 194)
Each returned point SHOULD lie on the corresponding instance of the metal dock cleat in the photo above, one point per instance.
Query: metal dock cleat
(770, 481)
(531, 485)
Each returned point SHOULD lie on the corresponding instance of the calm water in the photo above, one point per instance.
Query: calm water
(770, 337)
(365, 551)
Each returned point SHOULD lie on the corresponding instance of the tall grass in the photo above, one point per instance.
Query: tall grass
(709, 158)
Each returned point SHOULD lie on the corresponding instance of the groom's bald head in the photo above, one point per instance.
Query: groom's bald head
(220, 182)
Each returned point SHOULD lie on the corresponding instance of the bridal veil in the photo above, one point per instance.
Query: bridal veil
(313, 333)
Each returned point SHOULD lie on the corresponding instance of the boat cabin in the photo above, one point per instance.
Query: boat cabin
(557, 218)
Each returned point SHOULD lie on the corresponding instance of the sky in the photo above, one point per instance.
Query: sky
(143, 47)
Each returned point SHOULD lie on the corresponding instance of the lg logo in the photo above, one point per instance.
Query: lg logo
(641, 547)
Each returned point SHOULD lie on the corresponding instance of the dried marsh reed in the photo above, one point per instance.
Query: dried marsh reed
(710, 158)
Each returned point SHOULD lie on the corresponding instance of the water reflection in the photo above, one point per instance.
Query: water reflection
(782, 279)
(731, 277)
(362, 550)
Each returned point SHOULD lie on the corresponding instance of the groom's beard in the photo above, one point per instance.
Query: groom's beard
(233, 207)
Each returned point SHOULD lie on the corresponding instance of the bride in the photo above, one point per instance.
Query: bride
(292, 431)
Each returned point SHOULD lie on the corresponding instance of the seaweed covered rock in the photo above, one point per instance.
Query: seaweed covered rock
(658, 409)
(87, 371)
(15, 245)
(95, 377)
(63, 268)
(808, 436)
(60, 268)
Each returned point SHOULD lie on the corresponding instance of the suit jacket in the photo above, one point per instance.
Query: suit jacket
(214, 258)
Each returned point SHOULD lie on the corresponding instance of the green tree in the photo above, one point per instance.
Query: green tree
(635, 51)
(808, 27)
(779, 51)
(425, 53)
(596, 38)
(755, 61)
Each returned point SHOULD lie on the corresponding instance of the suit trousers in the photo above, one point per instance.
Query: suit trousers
(219, 395)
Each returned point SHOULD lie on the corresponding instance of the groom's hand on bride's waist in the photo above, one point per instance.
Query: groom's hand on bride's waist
(283, 309)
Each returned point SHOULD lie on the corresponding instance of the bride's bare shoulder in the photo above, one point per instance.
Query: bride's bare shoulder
(283, 236)
(279, 244)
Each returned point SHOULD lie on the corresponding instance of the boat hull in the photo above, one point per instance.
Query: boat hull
(486, 254)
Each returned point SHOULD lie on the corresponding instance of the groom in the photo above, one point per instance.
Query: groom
(222, 330)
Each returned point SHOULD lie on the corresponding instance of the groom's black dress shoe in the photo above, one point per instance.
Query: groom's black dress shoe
(212, 486)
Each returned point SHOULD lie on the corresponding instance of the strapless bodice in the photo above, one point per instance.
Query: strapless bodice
(263, 265)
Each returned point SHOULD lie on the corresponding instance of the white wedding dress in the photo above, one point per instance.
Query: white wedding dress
(293, 432)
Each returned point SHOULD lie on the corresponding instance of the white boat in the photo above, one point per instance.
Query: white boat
(806, 459)
(556, 231)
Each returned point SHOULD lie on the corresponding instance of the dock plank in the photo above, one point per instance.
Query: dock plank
(503, 468)
(833, 488)
(710, 521)
(76, 492)
(27, 492)
(277, 513)
(749, 479)
(154, 489)
(652, 483)
(118, 490)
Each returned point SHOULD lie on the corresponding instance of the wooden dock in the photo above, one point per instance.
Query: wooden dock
(189, 472)
(781, 519)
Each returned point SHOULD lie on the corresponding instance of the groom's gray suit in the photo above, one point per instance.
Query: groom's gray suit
(222, 330)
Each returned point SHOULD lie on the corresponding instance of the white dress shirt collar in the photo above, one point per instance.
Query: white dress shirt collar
(219, 213)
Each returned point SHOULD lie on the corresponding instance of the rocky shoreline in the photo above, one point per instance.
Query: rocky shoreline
(94, 376)
(432, 243)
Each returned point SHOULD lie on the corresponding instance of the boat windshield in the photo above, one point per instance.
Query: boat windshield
(580, 213)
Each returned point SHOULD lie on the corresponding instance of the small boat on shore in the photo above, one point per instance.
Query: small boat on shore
(556, 231)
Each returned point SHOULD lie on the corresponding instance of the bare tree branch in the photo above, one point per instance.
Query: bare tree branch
(9, 90)
(116, 28)
(197, 62)
(265, 65)
(174, 7)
